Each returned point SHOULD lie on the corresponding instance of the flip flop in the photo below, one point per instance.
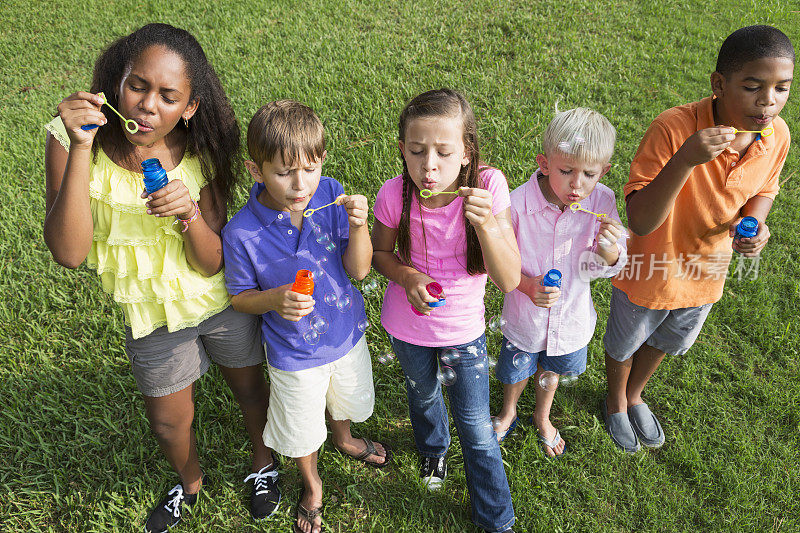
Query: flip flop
(551, 444)
(308, 514)
(509, 431)
(370, 450)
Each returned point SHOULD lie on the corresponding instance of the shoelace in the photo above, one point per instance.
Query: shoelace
(262, 479)
(176, 501)
(429, 462)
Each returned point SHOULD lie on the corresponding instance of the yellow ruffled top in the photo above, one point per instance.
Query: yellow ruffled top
(141, 258)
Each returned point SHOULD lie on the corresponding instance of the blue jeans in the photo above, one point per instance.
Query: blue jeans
(487, 484)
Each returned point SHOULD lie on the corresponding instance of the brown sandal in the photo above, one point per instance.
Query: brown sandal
(308, 514)
(370, 450)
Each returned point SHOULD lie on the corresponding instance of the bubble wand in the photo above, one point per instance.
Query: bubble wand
(766, 132)
(308, 212)
(576, 206)
(427, 193)
(128, 122)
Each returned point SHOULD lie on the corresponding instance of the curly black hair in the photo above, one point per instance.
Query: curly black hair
(213, 135)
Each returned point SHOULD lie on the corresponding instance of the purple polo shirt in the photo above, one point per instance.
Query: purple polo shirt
(263, 250)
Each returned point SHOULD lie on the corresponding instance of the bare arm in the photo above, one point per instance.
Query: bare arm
(290, 305)
(757, 207)
(649, 207)
(358, 256)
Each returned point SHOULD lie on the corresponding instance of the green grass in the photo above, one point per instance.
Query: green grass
(76, 453)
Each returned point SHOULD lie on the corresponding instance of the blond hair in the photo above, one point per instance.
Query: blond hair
(288, 128)
(581, 134)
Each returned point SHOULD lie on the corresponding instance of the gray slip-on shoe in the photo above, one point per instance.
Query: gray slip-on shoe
(646, 426)
(619, 428)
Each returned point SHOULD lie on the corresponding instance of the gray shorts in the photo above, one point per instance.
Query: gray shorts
(629, 326)
(164, 362)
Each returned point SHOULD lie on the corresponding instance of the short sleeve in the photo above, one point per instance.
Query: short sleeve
(495, 182)
(58, 131)
(239, 272)
(389, 203)
(655, 151)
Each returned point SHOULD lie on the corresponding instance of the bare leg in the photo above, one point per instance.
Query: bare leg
(312, 491)
(541, 415)
(617, 375)
(170, 419)
(251, 392)
(645, 361)
(511, 395)
(344, 441)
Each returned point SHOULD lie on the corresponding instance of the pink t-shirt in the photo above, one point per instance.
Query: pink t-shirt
(460, 320)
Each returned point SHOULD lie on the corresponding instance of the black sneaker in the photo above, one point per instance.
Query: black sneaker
(432, 471)
(170, 510)
(266, 495)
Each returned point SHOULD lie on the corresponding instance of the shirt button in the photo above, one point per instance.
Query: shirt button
(280, 217)
(733, 164)
(290, 232)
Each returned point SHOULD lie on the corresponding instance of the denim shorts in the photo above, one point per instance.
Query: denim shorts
(515, 365)
(629, 326)
(165, 362)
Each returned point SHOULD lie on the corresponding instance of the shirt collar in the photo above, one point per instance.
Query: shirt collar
(264, 214)
(534, 199)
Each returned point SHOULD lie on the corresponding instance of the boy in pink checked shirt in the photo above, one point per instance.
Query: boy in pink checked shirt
(547, 329)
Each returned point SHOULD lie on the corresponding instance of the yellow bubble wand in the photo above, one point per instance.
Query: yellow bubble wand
(427, 193)
(308, 212)
(576, 206)
(766, 132)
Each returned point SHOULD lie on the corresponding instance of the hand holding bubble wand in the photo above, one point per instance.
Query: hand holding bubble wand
(131, 125)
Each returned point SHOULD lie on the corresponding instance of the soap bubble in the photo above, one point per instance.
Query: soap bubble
(365, 397)
(344, 303)
(446, 375)
(549, 381)
(449, 356)
(521, 360)
(324, 239)
(321, 261)
(484, 366)
(319, 324)
(315, 227)
(331, 247)
(496, 323)
(510, 346)
(311, 337)
(492, 363)
(330, 299)
(363, 325)
(386, 358)
(369, 286)
(318, 273)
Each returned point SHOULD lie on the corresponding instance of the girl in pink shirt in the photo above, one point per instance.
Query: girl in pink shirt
(446, 243)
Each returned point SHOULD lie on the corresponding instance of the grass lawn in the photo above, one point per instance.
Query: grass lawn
(76, 453)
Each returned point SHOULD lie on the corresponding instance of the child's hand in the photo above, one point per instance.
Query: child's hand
(292, 305)
(357, 209)
(417, 292)
(750, 246)
(609, 233)
(172, 199)
(540, 295)
(79, 109)
(705, 145)
(477, 205)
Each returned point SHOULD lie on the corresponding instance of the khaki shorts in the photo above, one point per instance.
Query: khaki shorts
(164, 362)
(297, 401)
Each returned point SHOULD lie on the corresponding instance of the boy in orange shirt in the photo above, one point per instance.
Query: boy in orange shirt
(694, 177)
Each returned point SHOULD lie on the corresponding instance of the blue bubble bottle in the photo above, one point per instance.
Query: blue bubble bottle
(552, 278)
(747, 227)
(155, 176)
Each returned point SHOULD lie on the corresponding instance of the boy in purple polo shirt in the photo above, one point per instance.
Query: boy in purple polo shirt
(315, 346)
(556, 219)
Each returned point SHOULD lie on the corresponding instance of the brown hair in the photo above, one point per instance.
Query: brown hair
(286, 127)
(442, 103)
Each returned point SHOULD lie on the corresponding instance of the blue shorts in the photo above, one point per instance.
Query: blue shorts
(515, 365)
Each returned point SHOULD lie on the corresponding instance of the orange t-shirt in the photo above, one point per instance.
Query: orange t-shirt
(684, 262)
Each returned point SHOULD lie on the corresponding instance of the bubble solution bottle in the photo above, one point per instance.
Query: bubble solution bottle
(552, 278)
(747, 227)
(155, 176)
(435, 290)
(303, 282)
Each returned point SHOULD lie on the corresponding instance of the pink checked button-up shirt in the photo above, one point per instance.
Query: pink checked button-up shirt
(549, 238)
